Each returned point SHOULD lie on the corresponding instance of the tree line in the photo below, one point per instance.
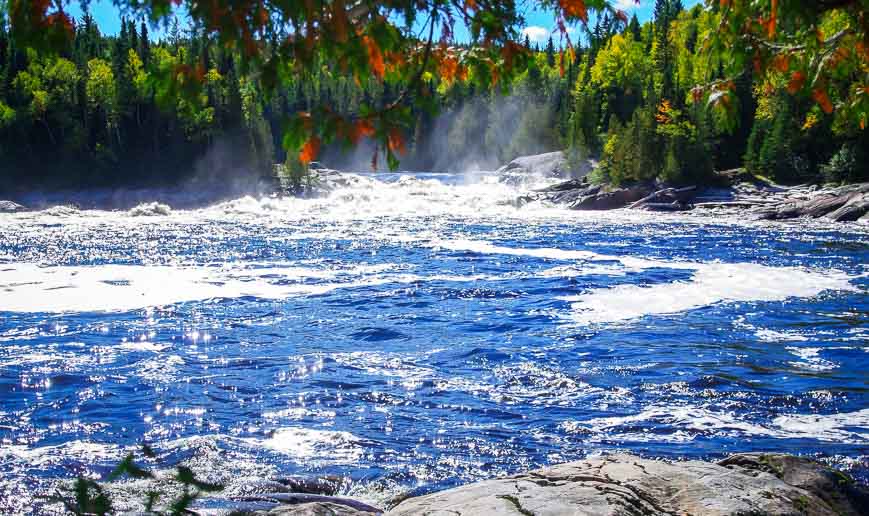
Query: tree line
(100, 111)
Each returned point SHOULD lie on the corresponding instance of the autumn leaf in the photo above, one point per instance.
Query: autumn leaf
(773, 16)
(375, 56)
(449, 68)
(821, 97)
(574, 9)
(310, 150)
(364, 127)
(396, 141)
(798, 78)
(781, 62)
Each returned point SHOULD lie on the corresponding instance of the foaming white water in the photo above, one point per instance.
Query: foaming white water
(30, 288)
(26, 287)
(711, 283)
(688, 421)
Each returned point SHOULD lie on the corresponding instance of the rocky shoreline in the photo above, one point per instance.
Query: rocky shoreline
(737, 193)
(618, 484)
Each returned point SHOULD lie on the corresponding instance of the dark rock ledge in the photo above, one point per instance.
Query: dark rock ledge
(624, 484)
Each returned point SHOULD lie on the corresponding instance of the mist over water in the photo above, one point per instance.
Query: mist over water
(416, 331)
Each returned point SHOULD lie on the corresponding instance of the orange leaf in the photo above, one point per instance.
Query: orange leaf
(310, 150)
(575, 9)
(798, 78)
(396, 141)
(823, 99)
(773, 14)
(449, 68)
(364, 127)
(471, 5)
(781, 62)
(375, 57)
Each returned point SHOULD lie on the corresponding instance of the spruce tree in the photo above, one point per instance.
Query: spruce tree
(634, 28)
(144, 44)
(550, 52)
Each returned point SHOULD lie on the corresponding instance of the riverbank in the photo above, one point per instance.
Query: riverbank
(733, 192)
(620, 484)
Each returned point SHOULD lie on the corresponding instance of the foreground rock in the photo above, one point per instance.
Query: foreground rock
(10, 207)
(625, 484)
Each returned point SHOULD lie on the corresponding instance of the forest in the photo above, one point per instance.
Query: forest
(98, 111)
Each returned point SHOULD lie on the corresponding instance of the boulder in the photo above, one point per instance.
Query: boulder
(305, 504)
(852, 210)
(548, 165)
(626, 484)
(318, 509)
(10, 207)
(667, 199)
(836, 489)
(845, 203)
(610, 200)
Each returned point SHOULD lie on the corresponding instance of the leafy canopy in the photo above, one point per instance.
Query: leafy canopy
(817, 49)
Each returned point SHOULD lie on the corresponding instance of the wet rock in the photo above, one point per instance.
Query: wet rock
(318, 509)
(10, 207)
(571, 184)
(852, 210)
(319, 182)
(548, 165)
(626, 484)
(837, 490)
(667, 199)
(613, 199)
(150, 209)
(304, 504)
(845, 203)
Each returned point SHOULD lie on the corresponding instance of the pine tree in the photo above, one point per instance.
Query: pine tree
(550, 52)
(144, 44)
(634, 28)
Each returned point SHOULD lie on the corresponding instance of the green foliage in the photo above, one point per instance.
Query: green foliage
(849, 164)
(89, 497)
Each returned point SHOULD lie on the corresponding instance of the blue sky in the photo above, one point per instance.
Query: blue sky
(539, 24)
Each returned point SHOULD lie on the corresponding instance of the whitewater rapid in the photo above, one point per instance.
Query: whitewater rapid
(415, 331)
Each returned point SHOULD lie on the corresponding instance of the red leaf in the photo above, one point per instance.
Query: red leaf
(396, 142)
(310, 150)
(781, 62)
(575, 9)
(823, 99)
(375, 57)
(773, 15)
(798, 78)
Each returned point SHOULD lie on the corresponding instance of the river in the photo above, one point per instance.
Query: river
(414, 332)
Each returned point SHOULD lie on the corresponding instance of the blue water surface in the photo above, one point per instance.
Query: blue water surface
(435, 336)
